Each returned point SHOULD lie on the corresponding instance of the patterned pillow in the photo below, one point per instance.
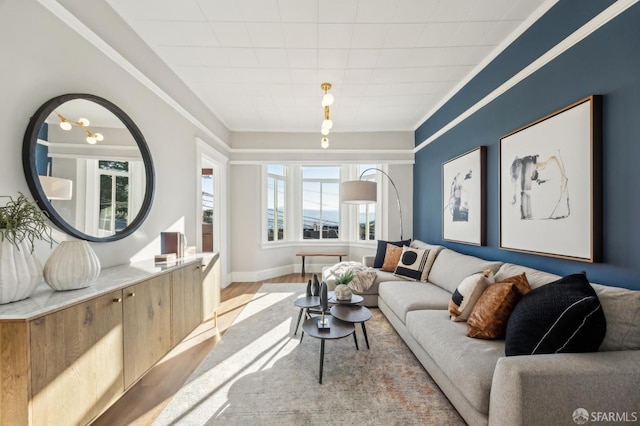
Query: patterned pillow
(412, 263)
(563, 316)
(467, 294)
(391, 258)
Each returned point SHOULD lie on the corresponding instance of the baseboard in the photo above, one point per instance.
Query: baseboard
(266, 274)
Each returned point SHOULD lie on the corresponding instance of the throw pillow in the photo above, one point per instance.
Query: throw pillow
(467, 294)
(489, 317)
(412, 263)
(382, 250)
(521, 282)
(392, 258)
(563, 316)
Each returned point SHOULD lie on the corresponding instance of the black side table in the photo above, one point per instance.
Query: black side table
(304, 303)
(338, 329)
(353, 314)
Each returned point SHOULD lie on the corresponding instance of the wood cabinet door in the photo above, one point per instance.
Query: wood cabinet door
(186, 297)
(76, 361)
(147, 325)
(210, 286)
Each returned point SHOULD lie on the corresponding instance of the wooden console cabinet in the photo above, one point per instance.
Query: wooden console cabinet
(67, 363)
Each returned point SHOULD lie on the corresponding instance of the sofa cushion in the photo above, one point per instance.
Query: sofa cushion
(563, 316)
(469, 363)
(535, 278)
(622, 311)
(488, 319)
(391, 258)
(433, 252)
(382, 250)
(467, 294)
(450, 268)
(412, 263)
(404, 296)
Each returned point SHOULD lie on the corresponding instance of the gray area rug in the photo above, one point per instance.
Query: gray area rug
(260, 374)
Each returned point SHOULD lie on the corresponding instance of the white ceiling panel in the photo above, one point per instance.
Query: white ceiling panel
(258, 64)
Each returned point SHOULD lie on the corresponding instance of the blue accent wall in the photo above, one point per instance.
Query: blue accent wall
(607, 63)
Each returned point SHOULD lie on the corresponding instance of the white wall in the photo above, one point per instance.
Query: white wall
(43, 58)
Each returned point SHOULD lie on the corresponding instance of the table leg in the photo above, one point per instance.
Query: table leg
(302, 265)
(355, 339)
(301, 336)
(340, 257)
(298, 323)
(364, 331)
(321, 359)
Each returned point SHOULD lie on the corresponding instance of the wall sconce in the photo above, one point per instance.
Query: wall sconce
(66, 124)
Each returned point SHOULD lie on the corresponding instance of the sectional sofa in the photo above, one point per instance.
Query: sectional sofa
(487, 387)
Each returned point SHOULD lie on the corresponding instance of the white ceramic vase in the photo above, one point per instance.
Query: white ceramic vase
(20, 271)
(72, 265)
(343, 292)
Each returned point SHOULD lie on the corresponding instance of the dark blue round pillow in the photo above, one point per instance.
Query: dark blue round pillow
(562, 316)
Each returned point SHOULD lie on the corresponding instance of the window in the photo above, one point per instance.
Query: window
(114, 197)
(367, 212)
(276, 202)
(320, 202)
(207, 205)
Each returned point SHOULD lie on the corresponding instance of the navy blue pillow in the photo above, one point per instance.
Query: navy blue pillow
(382, 250)
(562, 316)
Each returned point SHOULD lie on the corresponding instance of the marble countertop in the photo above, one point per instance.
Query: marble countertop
(46, 300)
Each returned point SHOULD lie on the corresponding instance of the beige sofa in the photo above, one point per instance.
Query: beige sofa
(484, 385)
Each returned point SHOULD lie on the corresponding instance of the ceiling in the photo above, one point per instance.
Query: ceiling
(258, 64)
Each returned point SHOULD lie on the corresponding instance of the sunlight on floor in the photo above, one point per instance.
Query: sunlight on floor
(259, 355)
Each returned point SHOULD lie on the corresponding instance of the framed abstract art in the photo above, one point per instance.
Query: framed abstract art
(464, 198)
(550, 184)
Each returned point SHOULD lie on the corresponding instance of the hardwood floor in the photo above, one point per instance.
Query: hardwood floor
(141, 404)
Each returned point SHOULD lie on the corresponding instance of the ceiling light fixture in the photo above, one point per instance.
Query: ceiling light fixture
(327, 124)
(66, 124)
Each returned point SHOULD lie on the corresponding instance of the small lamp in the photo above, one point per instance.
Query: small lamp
(56, 188)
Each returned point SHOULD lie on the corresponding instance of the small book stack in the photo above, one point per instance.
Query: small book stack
(166, 257)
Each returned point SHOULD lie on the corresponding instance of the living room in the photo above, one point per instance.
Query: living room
(565, 51)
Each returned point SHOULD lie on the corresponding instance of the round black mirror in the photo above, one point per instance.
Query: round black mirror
(88, 166)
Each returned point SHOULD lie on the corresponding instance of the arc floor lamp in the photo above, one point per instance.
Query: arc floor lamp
(366, 192)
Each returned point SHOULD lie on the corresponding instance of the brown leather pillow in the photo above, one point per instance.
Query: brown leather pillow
(391, 258)
(489, 317)
(521, 282)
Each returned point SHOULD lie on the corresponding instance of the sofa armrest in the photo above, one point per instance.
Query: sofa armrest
(547, 389)
(368, 261)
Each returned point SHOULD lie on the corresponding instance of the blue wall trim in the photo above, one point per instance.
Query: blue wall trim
(607, 63)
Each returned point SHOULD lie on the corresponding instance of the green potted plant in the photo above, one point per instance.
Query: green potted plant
(21, 223)
(342, 291)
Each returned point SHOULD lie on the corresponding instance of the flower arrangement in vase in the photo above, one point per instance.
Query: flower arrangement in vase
(21, 223)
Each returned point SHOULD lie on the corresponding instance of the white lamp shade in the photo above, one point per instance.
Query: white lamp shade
(56, 188)
(358, 192)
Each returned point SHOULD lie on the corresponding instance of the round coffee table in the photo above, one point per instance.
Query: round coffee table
(304, 303)
(337, 330)
(352, 314)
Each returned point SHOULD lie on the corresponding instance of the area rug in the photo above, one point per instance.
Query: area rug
(261, 374)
